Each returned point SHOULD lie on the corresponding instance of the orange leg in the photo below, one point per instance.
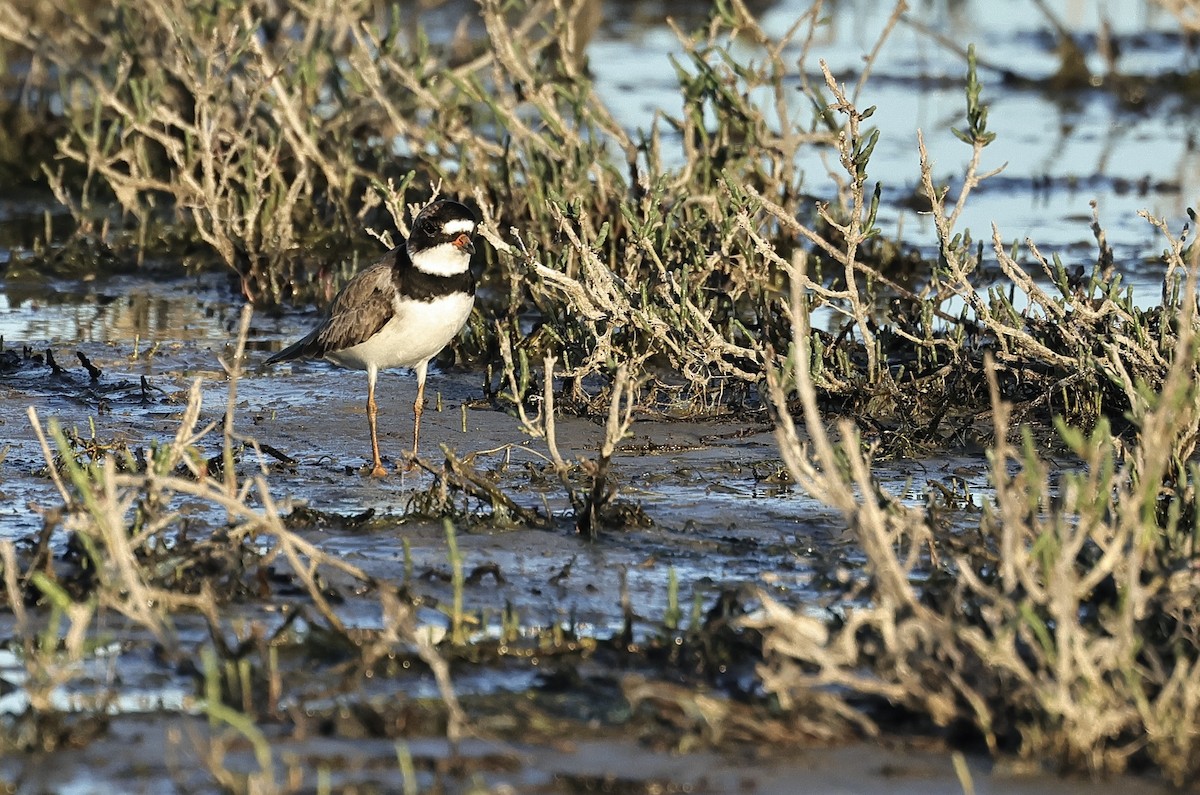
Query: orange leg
(378, 470)
(418, 410)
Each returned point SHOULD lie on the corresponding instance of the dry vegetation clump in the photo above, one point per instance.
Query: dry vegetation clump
(1063, 627)
(1186, 11)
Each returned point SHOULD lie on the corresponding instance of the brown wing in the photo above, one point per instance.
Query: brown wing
(357, 313)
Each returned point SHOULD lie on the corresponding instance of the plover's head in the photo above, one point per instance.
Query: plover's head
(440, 242)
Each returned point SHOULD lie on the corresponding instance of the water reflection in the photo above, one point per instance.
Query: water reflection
(122, 313)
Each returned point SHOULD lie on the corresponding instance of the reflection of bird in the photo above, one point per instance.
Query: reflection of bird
(401, 311)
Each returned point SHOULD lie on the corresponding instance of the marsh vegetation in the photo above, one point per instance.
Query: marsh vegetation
(685, 273)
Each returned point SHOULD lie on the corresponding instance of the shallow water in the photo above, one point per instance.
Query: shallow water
(1060, 150)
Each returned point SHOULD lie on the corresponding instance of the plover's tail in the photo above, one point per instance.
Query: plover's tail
(300, 349)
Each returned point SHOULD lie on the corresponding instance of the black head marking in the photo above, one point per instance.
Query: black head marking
(443, 221)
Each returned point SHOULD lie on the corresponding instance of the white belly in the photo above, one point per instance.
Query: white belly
(415, 334)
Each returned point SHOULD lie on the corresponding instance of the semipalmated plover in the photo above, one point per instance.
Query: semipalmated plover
(401, 311)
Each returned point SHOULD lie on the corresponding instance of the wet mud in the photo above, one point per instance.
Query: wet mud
(170, 758)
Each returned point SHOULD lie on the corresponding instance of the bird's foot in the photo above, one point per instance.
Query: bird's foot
(378, 471)
(410, 462)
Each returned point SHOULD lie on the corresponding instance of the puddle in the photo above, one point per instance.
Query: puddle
(114, 310)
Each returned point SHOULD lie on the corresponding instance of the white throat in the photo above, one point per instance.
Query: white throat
(443, 260)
